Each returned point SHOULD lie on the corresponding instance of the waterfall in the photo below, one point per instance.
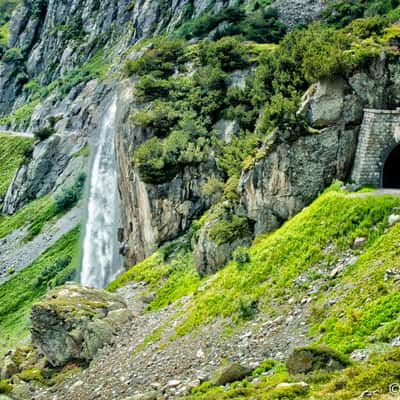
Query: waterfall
(100, 259)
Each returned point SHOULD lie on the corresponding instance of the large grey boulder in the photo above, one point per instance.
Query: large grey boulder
(74, 322)
(308, 359)
(230, 373)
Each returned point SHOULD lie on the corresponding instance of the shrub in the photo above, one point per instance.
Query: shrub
(158, 161)
(70, 196)
(13, 56)
(5, 386)
(44, 133)
(161, 59)
(241, 256)
(51, 271)
(388, 331)
(229, 229)
(213, 188)
(248, 308)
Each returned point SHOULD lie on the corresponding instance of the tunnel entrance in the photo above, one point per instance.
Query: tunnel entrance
(391, 170)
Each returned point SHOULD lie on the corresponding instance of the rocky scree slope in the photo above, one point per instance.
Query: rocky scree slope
(289, 293)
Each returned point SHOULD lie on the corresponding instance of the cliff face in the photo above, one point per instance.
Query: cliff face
(52, 40)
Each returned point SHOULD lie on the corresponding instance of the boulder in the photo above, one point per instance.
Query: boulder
(323, 103)
(9, 369)
(143, 396)
(307, 359)
(74, 322)
(231, 373)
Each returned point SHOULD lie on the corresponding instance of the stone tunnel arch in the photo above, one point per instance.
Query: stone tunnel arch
(377, 161)
(391, 170)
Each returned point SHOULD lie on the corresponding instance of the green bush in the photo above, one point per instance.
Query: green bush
(229, 229)
(43, 133)
(51, 271)
(241, 256)
(5, 386)
(70, 196)
(13, 56)
(262, 25)
(158, 161)
(388, 331)
(161, 59)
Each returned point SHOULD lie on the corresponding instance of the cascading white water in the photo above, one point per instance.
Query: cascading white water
(100, 260)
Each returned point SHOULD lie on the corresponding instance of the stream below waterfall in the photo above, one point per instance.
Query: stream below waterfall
(100, 259)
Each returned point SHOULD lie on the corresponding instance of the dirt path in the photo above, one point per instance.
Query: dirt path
(379, 192)
(19, 134)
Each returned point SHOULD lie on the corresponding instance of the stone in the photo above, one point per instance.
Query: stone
(396, 342)
(9, 369)
(359, 355)
(307, 359)
(393, 219)
(359, 242)
(323, 103)
(173, 383)
(230, 373)
(73, 323)
(294, 170)
(144, 396)
(21, 391)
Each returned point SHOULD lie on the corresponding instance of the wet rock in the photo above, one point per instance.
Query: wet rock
(307, 359)
(230, 373)
(74, 322)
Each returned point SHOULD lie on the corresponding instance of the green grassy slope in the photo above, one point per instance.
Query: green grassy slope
(310, 245)
(18, 294)
(12, 151)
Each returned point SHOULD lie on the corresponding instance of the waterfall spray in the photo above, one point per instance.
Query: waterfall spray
(100, 260)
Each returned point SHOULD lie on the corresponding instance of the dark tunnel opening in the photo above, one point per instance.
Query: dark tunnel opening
(391, 170)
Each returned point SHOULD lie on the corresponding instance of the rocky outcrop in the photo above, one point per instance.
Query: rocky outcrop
(222, 232)
(289, 177)
(74, 322)
(56, 162)
(306, 359)
(296, 12)
(154, 214)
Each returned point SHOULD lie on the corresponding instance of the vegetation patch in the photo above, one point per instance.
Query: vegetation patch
(18, 294)
(13, 151)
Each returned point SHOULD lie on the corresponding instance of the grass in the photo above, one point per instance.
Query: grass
(315, 239)
(333, 222)
(4, 33)
(377, 374)
(170, 273)
(34, 215)
(18, 294)
(12, 150)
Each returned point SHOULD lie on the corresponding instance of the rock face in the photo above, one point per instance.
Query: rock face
(57, 161)
(74, 322)
(292, 175)
(296, 12)
(154, 214)
(307, 359)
